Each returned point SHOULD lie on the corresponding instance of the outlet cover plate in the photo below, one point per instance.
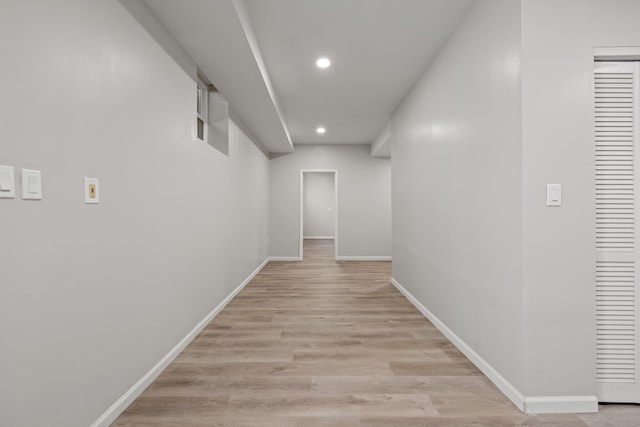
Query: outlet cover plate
(91, 191)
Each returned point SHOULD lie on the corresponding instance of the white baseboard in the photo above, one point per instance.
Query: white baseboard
(319, 237)
(503, 385)
(363, 258)
(118, 407)
(527, 404)
(284, 258)
(560, 404)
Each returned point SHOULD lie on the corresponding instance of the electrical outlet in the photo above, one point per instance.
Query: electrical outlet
(91, 191)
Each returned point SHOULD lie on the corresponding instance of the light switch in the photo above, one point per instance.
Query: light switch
(34, 184)
(91, 191)
(31, 185)
(554, 194)
(7, 183)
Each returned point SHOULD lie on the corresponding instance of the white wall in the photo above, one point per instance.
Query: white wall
(559, 265)
(319, 205)
(93, 296)
(506, 108)
(364, 199)
(456, 187)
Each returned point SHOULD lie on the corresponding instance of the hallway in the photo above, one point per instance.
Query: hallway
(326, 343)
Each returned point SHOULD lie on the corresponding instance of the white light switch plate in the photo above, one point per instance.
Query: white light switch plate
(554, 194)
(7, 182)
(91, 191)
(31, 185)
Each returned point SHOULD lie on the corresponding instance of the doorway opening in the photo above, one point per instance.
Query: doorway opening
(319, 208)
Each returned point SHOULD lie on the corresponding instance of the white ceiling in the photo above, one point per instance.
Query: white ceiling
(261, 56)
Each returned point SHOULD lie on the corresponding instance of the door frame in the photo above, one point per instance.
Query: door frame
(335, 222)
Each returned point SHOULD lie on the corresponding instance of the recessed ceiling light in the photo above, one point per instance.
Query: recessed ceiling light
(321, 130)
(323, 62)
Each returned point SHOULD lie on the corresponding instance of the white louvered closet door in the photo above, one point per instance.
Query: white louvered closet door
(617, 207)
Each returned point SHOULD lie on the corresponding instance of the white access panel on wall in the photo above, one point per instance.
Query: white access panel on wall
(617, 200)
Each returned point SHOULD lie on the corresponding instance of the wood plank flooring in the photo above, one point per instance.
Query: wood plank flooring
(321, 343)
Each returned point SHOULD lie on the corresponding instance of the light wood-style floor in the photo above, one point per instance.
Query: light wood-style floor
(332, 344)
